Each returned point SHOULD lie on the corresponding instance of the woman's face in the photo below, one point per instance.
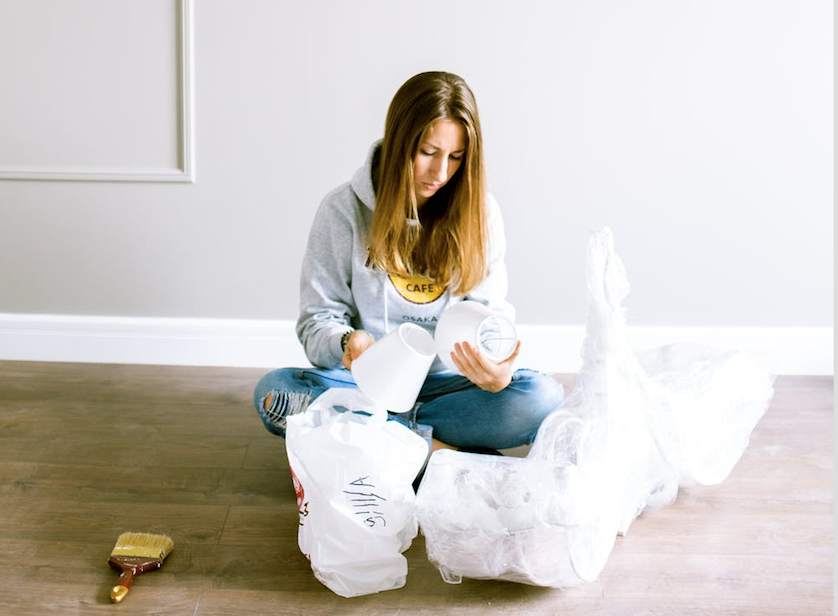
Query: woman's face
(440, 153)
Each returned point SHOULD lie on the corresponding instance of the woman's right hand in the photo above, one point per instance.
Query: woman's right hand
(358, 342)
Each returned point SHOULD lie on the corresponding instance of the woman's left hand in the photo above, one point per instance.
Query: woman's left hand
(482, 371)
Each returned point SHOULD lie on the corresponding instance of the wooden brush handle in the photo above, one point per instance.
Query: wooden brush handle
(129, 567)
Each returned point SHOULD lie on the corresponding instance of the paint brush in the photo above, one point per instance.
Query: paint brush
(136, 553)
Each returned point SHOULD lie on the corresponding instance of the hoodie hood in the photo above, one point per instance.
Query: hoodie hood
(362, 184)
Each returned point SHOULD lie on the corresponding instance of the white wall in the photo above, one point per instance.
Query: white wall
(700, 132)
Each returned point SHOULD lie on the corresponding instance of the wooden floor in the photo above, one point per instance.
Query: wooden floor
(90, 451)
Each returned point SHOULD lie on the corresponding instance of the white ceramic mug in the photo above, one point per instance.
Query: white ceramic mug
(476, 324)
(391, 371)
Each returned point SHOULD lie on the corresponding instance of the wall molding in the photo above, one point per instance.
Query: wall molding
(273, 343)
(185, 172)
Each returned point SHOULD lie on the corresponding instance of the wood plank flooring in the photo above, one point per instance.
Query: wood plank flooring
(89, 451)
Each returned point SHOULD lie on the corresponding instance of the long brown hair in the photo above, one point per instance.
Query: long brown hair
(450, 241)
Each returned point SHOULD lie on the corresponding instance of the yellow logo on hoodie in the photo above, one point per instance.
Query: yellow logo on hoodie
(417, 289)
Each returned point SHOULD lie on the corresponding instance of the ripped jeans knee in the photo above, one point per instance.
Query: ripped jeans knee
(276, 406)
(288, 391)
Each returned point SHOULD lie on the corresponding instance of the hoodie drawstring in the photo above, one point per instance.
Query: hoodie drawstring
(386, 315)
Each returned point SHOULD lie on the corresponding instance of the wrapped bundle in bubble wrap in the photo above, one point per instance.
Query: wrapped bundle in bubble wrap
(492, 517)
(632, 431)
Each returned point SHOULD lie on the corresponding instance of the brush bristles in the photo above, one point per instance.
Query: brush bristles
(143, 544)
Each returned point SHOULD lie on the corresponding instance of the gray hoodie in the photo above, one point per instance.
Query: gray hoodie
(338, 292)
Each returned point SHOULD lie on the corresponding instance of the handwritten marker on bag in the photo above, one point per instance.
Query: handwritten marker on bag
(366, 503)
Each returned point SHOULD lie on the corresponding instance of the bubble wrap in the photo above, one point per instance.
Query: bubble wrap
(633, 430)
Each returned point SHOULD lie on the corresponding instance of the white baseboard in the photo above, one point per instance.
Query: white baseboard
(273, 343)
(781, 350)
(149, 340)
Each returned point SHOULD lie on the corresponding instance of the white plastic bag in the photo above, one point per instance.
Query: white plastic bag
(353, 472)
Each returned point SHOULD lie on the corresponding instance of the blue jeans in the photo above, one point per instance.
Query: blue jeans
(460, 413)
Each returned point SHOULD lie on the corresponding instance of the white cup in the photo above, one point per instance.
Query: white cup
(476, 324)
(391, 371)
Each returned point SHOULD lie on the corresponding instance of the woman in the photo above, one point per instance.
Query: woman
(414, 231)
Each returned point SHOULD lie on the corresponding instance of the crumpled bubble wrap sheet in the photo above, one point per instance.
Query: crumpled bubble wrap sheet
(502, 518)
(634, 429)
